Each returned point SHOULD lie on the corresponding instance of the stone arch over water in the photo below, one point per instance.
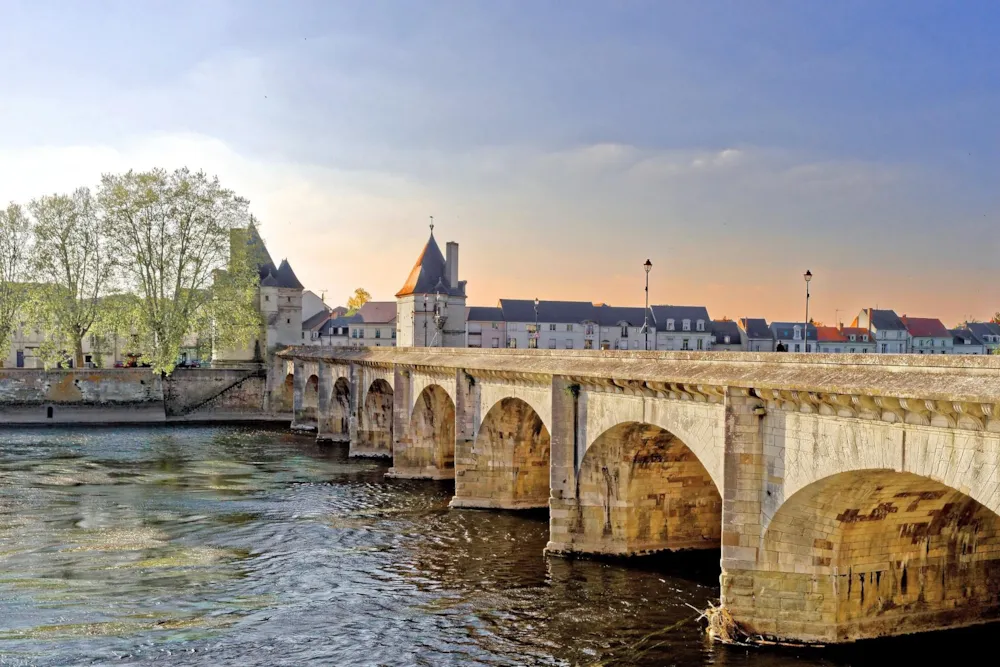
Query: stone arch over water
(428, 451)
(375, 428)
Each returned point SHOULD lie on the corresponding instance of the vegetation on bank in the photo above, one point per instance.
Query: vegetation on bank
(145, 260)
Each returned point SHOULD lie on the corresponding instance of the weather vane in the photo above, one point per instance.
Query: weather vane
(432, 224)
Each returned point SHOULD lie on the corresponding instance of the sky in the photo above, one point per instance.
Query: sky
(734, 144)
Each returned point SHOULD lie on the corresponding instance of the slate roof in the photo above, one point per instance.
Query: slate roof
(886, 320)
(678, 313)
(723, 328)
(316, 321)
(268, 274)
(484, 314)
(756, 327)
(963, 336)
(614, 315)
(286, 277)
(339, 322)
(925, 327)
(428, 275)
(786, 330)
(552, 312)
(378, 312)
(981, 329)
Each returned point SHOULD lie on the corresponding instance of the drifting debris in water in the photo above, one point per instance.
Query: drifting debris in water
(723, 628)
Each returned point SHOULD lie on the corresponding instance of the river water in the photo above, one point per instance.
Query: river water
(249, 546)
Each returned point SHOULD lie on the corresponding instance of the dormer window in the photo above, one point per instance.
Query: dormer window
(701, 325)
(797, 333)
(726, 340)
(686, 325)
(670, 325)
(852, 338)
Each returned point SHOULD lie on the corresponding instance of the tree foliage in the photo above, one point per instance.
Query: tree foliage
(358, 299)
(15, 250)
(171, 232)
(74, 269)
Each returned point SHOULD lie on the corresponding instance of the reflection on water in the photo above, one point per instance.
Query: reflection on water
(238, 546)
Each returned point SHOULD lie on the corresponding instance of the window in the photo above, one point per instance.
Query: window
(552, 343)
(267, 297)
(701, 325)
(885, 348)
(797, 335)
(511, 342)
(670, 325)
(701, 344)
(635, 345)
(531, 328)
(495, 325)
(496, 342)
(533, 343)
(378, 333)
(588, 344)
(394, 334)
(686, 325)
(623, 345)
(685, 345)
(590, 330)
(726, 340)
(288, 320)
(303, 335)
(552, 327)
(852, 338)
(852, 350)
(864, 337)
(569, 343)
(569, 327)
(289, 299)
(797, 347)
(624, 331)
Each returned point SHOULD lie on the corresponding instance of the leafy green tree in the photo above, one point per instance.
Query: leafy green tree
(74, 266)
(171, 232)
(15, 251)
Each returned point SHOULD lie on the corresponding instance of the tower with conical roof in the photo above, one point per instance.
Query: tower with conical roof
(430, 307)
(278, 299)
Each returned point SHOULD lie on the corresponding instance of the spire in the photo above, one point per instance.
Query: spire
(432, 225)
(429, 269)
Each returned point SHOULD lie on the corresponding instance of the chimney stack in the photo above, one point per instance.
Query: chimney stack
(451, 264)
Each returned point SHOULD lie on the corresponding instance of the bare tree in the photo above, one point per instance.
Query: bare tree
(171, 231)
(15, 240)
(75, 268)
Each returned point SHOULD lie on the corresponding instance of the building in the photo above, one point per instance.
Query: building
(831, 340)
(859, 341)
(430, 307)
(889, 332)
(793, 337)
(485, 327)
(279, 301)
(928, 335)
(374, 325)
(726, 336)
(622, 328)
(988, 333)
(757, 334)
(966, 342)
(681, 327)
(572, 325)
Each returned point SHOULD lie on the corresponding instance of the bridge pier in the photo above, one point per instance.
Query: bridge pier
(425, 448)
(373, 425)
(305, 398)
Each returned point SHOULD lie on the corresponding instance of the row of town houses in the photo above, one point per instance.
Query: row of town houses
(579, 325)
(430, 311)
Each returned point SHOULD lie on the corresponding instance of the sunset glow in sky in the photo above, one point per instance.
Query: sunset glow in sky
(734, 144)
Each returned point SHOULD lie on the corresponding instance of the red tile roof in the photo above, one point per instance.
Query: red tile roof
(859, 333)
(829, 335)
(925, 327)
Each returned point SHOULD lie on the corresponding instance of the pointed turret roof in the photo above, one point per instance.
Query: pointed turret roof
(428, 274)
(286, 277)
(269, 280)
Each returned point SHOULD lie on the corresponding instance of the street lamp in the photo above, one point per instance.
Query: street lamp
(425, 320)
(808, 276)
(536, 323)
(645, 315)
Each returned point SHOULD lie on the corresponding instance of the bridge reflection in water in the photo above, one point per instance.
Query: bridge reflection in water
(852, 496)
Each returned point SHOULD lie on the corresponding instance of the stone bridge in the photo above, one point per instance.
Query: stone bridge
(850, 496)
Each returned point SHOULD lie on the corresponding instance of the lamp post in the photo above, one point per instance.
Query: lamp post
(645, 316)
(425, 320)
(808, 276)
(536, 324)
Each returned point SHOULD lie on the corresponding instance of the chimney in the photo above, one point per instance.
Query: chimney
(451, 264)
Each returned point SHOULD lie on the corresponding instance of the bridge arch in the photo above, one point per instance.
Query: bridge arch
(877, 552)
(428, 450)
(640, 490)
(336, 416)
(283, 401)
(507, 464)
(375, 424)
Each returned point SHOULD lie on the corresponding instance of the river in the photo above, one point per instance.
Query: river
(187, 545)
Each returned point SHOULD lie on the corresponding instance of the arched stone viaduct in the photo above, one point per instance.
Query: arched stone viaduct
(851, 496)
